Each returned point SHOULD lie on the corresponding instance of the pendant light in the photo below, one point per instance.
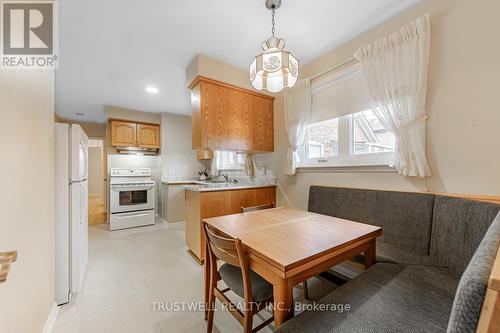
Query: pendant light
(275, 68)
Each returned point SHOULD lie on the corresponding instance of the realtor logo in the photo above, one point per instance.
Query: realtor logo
(28, 34)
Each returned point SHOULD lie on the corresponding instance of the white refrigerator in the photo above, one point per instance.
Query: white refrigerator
(71, 209)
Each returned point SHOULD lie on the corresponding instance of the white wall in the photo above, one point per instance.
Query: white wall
(463, 145)
(177, 157)
(26, 199)
(95, 171)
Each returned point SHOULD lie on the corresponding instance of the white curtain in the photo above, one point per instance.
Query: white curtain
(297, 118)
(395, 74)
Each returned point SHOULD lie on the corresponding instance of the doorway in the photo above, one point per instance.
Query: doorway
(97, 187)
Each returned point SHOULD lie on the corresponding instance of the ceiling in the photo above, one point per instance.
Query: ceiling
(110, 50)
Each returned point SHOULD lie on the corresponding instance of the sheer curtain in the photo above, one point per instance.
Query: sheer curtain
(395, 74)
(297, 118)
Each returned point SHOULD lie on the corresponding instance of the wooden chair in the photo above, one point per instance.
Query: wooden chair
(255, 208)
(236, 274)
(269, 206)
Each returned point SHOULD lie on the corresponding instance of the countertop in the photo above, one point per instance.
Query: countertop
(183, 182)
(206, 186)
(211, 187)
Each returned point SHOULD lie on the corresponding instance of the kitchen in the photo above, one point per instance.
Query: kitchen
(181, 160)
(175, 171)
(168, 169)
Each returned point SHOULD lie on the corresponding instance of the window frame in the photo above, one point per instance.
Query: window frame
(346, 160)
(346, 149)
(231, 166)
(347, 156)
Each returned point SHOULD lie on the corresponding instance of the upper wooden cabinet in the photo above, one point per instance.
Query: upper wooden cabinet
(123, 134)
(131, 134)
(231, 118)
(148, 136)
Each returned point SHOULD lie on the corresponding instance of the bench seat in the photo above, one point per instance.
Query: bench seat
(387, 253)
(434, 260)
(386, 298)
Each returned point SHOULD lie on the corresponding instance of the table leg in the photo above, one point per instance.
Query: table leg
(283, 301)
(370, 254)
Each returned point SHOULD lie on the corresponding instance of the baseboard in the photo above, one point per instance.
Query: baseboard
(176, 225)
(51, 320)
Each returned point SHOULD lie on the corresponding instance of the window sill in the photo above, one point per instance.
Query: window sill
(365, 163)
(351, 169)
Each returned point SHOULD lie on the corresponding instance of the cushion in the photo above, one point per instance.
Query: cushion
(472, 287)
(459, 225)
(405, 217)
(232, 277)
(386, 298)
(387, 253)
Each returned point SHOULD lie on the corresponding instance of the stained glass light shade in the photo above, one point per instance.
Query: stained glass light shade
(275, 68)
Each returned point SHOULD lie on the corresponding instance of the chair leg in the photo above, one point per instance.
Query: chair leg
(211, 311)
(306, 292)
(248, 321)
(211, 302)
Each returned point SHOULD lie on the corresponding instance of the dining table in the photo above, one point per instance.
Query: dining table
(287, 246)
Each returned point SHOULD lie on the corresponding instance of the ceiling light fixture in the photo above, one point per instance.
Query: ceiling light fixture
(152, 90)
(275, 68)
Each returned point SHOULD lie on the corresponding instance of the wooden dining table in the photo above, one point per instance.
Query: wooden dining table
(287, 246)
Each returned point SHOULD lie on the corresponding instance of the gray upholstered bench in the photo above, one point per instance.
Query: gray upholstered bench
(436, 256)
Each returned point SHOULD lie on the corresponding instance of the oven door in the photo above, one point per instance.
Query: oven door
(132, 197)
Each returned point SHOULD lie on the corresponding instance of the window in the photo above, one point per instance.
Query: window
(350, 140)
(344, 131)
(323, 137)
(370, 136)
(229, 160)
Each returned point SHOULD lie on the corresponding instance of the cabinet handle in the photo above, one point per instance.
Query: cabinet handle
(6, 258)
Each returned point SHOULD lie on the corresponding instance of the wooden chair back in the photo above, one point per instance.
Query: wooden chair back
(223, 248)
(255, 208)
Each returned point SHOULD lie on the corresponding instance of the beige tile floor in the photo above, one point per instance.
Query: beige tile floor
(128, 270)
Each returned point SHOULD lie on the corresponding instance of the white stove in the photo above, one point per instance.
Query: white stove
(132, 198)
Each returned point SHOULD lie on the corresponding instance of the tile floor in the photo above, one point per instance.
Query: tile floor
(130, 269)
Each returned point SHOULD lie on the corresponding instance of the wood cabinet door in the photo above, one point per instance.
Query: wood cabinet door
(257, 196)
(123, 134)
(237, 127)
(215, 203)
(230, 118)
(211, 116)
(263, 125)
(148, 136)
(268, 125)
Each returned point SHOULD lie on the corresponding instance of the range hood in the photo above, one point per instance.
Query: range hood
(136, 151)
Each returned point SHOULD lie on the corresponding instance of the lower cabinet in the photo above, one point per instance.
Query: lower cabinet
(201, 205)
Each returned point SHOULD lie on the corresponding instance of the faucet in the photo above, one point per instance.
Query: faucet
(226, 177)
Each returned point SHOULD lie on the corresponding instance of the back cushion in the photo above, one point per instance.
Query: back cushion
(459, 225)
(471, 290)
(404, 217)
